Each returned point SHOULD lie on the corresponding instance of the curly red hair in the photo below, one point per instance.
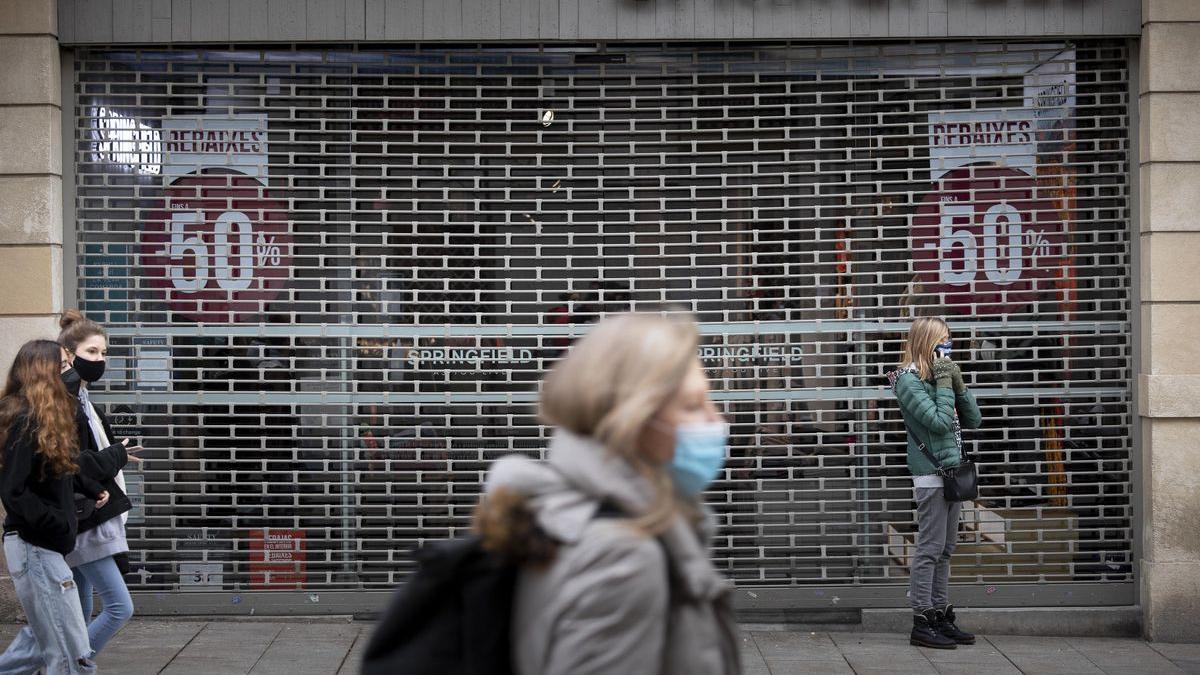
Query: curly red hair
(36, 391)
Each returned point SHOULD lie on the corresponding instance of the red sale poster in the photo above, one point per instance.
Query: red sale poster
(220, 247)
(278, 559)
(988, 240)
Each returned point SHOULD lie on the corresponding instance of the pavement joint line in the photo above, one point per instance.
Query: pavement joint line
(179, 651)
(350, 650)
(758, 648)
(1086, 658)
(264, 652)
(1001, 653)
(1160, 653)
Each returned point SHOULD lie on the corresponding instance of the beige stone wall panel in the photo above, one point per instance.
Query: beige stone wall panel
(1175, 498)
(30, 72)
(31, 210)
(17, 330)
(1170, 267)
(1162, 396)
(1170, 10)
(1168, 128)
(1171, 343)
(32, 140)
(1170, 197)
(1173, 593)
(1171, 49)
(31, 277)
(28, 17)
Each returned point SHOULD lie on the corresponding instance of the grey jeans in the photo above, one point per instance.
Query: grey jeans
(937, 533)
(56, 637)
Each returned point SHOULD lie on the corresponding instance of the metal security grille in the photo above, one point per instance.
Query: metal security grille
(334, 277)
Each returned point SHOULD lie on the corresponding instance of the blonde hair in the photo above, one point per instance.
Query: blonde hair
(922, 337)
(614, 381)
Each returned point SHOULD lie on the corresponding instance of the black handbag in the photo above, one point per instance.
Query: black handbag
(959, 483)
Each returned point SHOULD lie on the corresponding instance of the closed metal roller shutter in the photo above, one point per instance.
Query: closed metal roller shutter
(333, 278)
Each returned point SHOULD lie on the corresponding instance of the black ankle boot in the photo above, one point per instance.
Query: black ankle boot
(926, 634)
(946, 627)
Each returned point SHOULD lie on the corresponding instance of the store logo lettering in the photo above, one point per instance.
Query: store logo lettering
(768, 353)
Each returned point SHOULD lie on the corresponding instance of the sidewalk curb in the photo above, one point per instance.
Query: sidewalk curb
(1041, 621)
(248, 618)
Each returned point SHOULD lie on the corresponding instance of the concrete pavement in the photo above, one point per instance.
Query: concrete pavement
(332, 647)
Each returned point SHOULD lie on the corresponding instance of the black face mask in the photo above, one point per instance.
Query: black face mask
(72, 380)
(90, 371)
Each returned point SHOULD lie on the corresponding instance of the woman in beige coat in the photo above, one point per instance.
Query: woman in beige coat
(611, 529)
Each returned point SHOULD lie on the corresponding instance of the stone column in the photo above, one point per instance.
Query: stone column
(1169, 373)
(31, 215)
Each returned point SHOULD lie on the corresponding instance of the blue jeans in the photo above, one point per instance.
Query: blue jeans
(116, 607)
(56, 637)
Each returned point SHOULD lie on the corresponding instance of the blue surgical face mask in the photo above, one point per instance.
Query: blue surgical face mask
(942, 349)
(700, 451)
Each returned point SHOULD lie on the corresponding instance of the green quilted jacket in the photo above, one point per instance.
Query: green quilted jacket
(931, 413)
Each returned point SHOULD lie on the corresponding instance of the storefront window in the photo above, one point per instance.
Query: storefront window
(335, 277)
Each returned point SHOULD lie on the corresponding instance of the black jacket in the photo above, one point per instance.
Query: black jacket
(102, 466)
(40, 506)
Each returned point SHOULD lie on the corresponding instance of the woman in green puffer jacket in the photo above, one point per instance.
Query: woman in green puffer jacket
(936, 406)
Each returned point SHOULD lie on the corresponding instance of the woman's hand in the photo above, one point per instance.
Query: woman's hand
(943, 372)
(131, 451)
(957, 381)
(102, 500)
